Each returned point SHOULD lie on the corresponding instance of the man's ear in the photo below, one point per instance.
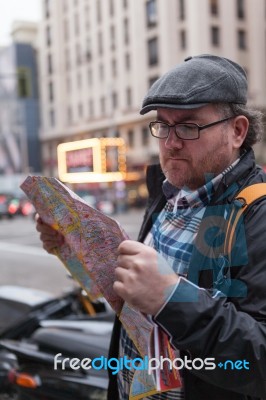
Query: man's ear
(240, 124)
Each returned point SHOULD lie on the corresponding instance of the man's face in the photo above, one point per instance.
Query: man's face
(186, 163)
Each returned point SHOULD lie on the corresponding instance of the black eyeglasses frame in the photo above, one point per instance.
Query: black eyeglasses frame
(200, 127)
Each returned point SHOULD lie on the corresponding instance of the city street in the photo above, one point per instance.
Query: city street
(25, 263)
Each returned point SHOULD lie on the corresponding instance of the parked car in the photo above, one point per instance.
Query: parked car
(7, 209)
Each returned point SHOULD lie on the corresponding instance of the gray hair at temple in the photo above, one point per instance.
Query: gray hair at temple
(255, 117)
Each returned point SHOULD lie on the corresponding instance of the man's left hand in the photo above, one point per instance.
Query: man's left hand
(143, 278)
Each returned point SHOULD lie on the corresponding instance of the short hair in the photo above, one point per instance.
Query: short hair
(255, 118)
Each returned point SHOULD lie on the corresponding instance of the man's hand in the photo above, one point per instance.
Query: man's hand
(143, 278)
(49, 236)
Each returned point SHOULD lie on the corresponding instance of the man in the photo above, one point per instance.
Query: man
(210, 301)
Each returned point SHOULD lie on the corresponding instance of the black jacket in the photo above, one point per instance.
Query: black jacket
(231, 327)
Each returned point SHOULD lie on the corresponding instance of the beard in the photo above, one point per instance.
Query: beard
(183, 170)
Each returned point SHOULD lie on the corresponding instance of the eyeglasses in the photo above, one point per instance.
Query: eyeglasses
(185, 131)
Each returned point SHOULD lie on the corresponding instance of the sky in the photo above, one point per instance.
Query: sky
(12, 10)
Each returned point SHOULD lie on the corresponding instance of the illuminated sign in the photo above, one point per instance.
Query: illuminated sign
(92, 160)
(80, 160)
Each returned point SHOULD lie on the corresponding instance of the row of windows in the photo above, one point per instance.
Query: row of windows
(153, 53)
(241, 37)
(47, 7)
(87, 55)
(112, 32)
(151, 9)
(50, 66)
(214, 7)
(240, 8)
(152, 13)
(102, 103)
(215, 38)
(102, 66)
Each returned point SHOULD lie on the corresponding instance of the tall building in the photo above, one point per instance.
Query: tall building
(99, 57)
(19, 108)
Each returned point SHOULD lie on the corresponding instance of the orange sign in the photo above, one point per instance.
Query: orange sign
(92, 160)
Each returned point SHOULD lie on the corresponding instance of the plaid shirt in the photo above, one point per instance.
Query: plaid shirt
(172, 235)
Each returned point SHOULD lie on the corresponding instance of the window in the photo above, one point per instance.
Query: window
(79, 80)
(80, 110)
(126, 31)
(153, 51)
(65, 3)
(215, 36)
(112, 37)
(114, 68)
(111, 4)
(183, 39)
(242, 39)
(67, 59)
(102, 105)
(145, 136)
(151, 13)
(181, 9)
(240, 4)
(77, 31)
(66, 29)
(100, 43)
(214, 10)
(114, 100)
(78, 54)
(99, 14)
(47, 8)
(51, 92)
(129, 97)
(90, 77)
(69, 114)
(101, 72)
(127, 61)
(24, 83)
(91, 108)
(48, 36)
(68, 84)
(130, 135)
(50, 64)
(52, 118)
(87, 17)
(88, 50)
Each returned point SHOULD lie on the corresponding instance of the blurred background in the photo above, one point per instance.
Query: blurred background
(73, 74)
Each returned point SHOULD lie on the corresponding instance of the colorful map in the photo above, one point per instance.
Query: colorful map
(90, 254)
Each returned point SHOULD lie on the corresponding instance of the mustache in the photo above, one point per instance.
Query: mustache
(172, 153)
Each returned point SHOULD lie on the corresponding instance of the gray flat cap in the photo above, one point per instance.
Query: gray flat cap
(198, 81)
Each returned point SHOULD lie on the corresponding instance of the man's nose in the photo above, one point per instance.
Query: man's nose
(173, 140)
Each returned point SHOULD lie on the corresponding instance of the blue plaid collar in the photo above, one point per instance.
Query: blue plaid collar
(201, 197)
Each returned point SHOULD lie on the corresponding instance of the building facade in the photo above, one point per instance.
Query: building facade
(19, 106)
(99, 57)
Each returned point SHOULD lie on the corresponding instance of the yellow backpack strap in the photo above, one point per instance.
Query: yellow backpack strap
(247, 196)
(251, 193)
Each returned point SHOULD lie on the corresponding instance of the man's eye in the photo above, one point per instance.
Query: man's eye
(188, 126)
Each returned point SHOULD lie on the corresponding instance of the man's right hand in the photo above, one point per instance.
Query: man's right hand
(50, 238)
